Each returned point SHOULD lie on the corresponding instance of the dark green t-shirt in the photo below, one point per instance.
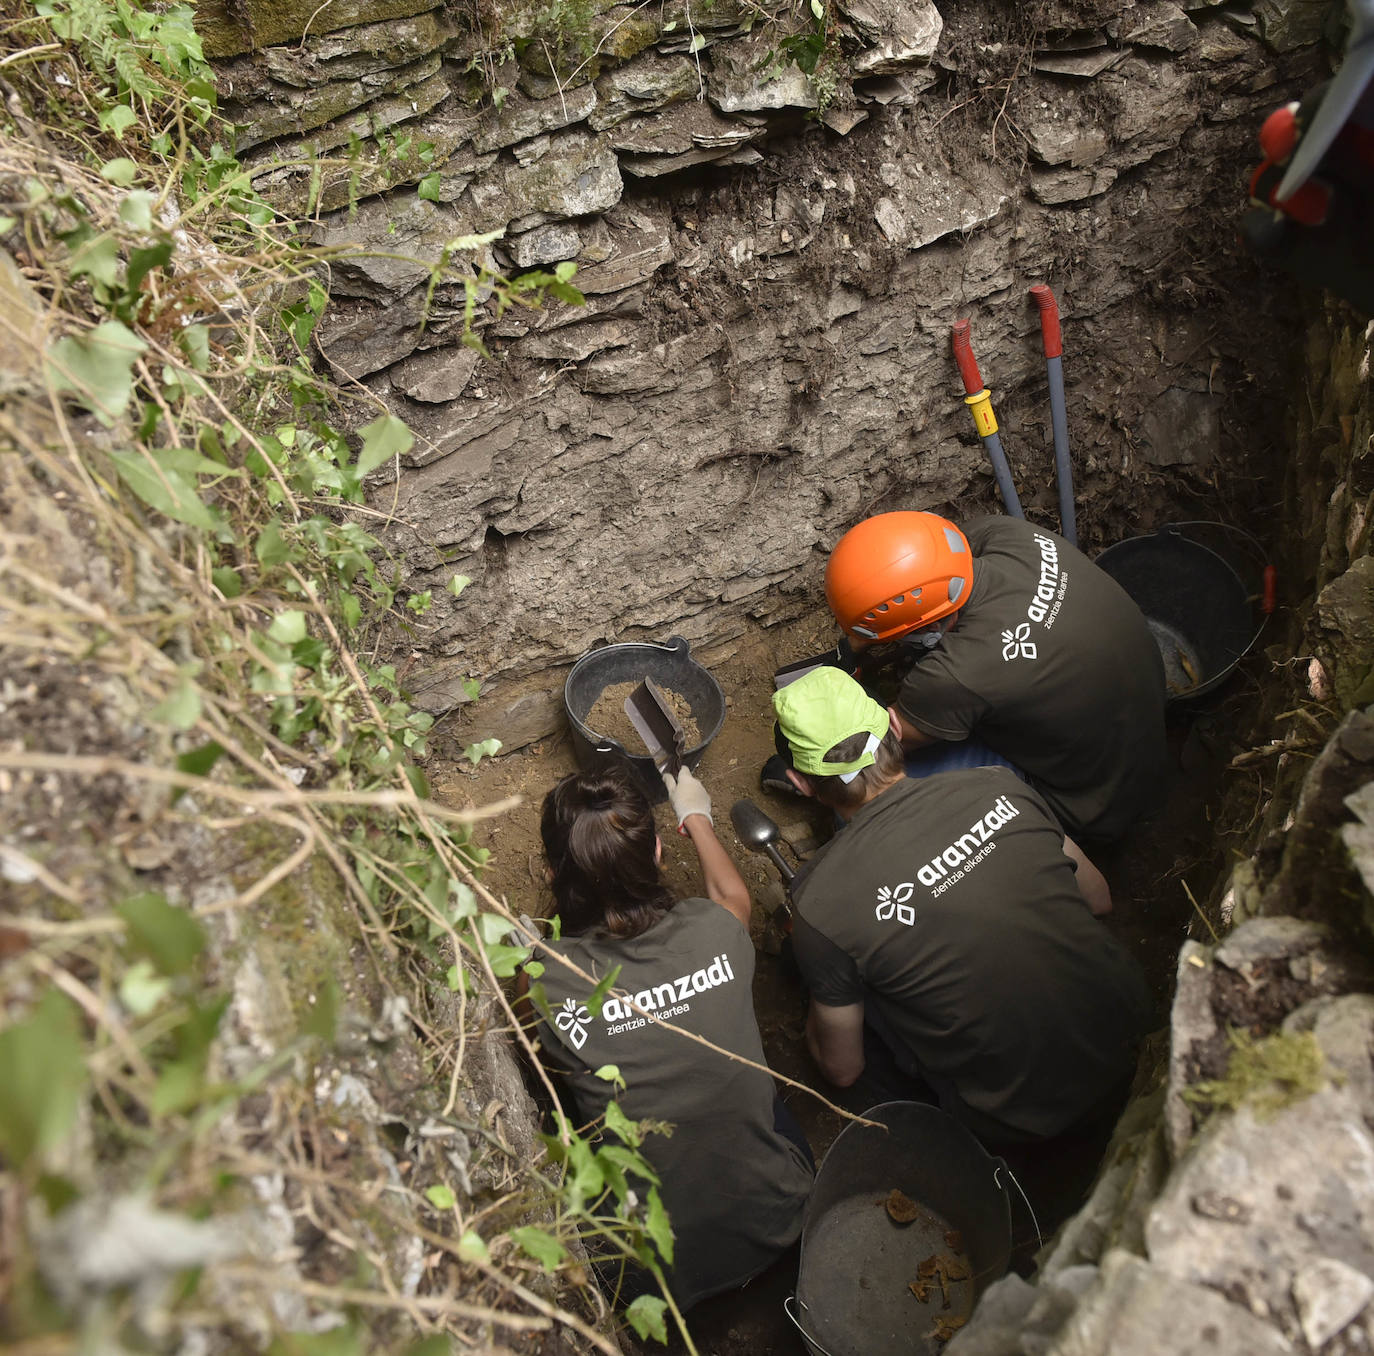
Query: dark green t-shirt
(949, 904)
(1053, 666)
(734, 1187)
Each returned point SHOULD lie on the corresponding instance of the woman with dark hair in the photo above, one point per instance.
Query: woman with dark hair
(735, 1171)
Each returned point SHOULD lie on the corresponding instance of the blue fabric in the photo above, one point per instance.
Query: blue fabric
(787, 1125)
(955, 757)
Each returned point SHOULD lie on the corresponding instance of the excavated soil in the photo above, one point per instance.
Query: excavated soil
(1152, 874)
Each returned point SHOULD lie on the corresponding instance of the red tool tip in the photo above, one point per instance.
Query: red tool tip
(1279, 134)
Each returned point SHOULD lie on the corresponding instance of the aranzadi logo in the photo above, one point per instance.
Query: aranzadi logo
(1044, 605)
(966, 851)
(1018, 644)
(572, 1018)
(666, 1000)
(894, 901)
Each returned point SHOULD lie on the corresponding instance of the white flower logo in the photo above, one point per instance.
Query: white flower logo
(894, 900)
(1018, 643)
(573, 1018)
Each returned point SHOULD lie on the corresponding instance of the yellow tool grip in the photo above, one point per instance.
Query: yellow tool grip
(981, 407)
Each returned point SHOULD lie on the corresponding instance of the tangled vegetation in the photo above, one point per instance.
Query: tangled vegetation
(231, 909)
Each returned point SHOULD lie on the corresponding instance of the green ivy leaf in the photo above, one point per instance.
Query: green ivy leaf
(383, 439)
(657, 1226)
(141, 988)
(457, 584)
(121, 171)
(629, 1160)
(472, 1247)
(118, 120)
(428, 187)
(543, 1247)
(464, 901)
(645, 1316)
(195, 344)
(621, 1126)
(143, 261)
(288, 627)
(181, 708)
(441, 1197)
(98, 258)
(227, 581)
(136, 211)
(419, 783)
(597, 997)
(199, 761)
(170, 937)
(43, 1073)
(97, 368)
(586, 1178)
(167, 491)
(491, 928)
(505, 960)
(485, 748)
(607, 1073)
(271, 547)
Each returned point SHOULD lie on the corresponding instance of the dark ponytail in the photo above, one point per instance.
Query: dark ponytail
(599, 838)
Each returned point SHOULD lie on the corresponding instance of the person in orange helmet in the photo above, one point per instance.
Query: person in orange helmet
(1003, 632)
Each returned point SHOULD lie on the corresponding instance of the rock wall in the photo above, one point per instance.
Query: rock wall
(771, 260)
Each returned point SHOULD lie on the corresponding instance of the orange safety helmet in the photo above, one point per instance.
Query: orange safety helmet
(895, 572)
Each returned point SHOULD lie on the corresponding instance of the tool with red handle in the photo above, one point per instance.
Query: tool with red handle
(979, 400)
(1059, 416)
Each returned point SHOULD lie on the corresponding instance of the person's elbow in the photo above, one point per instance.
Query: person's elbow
(839, 1056)
(841, 1073)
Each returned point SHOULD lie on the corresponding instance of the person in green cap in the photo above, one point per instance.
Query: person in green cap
(951, 923)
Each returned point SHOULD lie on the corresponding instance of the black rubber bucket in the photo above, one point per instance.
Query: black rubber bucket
(854, 1294)
(671, 666)
(1202, 615)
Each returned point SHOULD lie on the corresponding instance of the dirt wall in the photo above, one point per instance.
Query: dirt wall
(772, 261)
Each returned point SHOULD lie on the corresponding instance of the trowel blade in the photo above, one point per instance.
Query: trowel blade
(657, 726)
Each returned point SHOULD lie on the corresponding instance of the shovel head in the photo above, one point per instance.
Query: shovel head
(655, 723)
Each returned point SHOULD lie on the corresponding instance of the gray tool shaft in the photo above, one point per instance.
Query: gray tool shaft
(1063, 469)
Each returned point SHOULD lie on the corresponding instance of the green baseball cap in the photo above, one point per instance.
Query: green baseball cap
(823, 708)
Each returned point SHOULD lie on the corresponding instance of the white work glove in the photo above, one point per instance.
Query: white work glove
(687, 796)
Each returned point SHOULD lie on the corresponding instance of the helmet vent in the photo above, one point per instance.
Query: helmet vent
(954, 541)
(956, 587)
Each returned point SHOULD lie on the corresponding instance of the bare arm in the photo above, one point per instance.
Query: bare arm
(835, 1038)
(1092, 884)
(722, 879)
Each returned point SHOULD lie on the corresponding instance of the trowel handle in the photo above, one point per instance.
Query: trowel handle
(1049, 320)
(963, 355)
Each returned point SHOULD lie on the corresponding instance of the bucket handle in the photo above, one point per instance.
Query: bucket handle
(997, 1177)
(796, 1322)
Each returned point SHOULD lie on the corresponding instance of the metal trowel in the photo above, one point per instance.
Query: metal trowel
(651, 715)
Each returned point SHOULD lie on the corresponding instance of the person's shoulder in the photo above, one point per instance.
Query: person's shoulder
(991, 529)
